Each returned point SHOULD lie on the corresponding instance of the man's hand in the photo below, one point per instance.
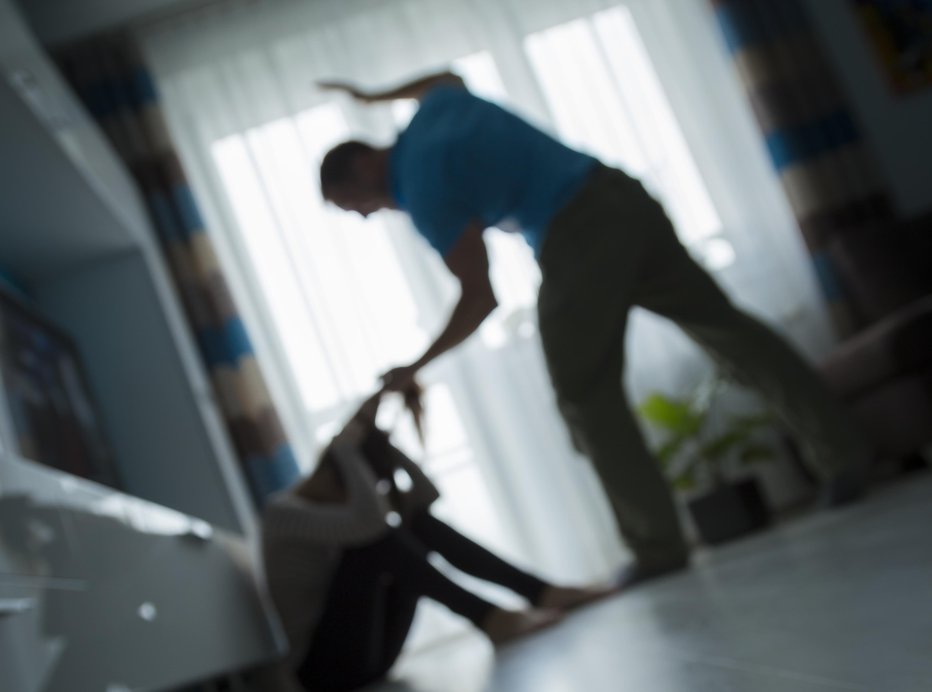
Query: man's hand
(410, 90)
(346, 88)
(400, 379)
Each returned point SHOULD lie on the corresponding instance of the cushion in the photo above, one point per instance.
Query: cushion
(895, 346)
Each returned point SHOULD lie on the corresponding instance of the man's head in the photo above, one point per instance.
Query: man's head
(354, 176)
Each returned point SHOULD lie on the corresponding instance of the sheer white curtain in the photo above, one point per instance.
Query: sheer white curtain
(333, 302)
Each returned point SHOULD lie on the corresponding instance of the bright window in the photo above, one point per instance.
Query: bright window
(606, 99)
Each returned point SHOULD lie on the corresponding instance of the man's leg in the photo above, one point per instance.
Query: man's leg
(604, 429)
(679, 289)
(590, 262)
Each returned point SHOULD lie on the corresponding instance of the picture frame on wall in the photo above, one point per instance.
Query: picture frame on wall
(50, 415)
(900, 32)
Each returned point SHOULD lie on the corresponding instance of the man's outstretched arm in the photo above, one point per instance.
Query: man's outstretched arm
(411, 90)
(469, 263)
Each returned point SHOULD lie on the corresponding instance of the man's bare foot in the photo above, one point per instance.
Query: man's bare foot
(502, 625)
(569, 597)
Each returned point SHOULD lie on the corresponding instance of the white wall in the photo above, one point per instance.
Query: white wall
(898, 126)
(73, 229)
(61, 21)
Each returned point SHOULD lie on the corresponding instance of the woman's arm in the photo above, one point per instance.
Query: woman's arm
(356, 518)
(423, 492)
(326, 484)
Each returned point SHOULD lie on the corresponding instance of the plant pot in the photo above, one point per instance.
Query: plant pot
(730, 511)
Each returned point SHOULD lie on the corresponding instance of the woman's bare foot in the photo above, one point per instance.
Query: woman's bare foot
(502, 625)
(569, 597)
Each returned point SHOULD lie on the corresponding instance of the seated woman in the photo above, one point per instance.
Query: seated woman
(345, 554)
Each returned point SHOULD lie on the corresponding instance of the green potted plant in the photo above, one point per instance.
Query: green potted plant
(701, 449)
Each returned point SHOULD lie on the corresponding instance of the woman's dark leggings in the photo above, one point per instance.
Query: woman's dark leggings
(374, 592)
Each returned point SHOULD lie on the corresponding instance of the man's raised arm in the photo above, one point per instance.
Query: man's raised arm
(412, 90)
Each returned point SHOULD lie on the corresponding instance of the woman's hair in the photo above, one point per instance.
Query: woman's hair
(377, 438)
(413, 402)
(336, 168)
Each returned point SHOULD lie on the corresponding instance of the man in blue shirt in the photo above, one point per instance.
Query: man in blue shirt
(603, 244)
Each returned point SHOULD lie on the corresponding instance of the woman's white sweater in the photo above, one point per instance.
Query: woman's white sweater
(302, 541)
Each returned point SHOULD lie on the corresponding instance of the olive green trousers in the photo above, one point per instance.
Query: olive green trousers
(612, 248)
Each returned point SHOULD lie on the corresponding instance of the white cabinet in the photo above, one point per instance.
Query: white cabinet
(114, 593)
(105, 590)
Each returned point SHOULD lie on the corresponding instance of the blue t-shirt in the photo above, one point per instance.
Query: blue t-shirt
(463, 159)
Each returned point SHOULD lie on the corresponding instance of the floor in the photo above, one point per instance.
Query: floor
(834, 601)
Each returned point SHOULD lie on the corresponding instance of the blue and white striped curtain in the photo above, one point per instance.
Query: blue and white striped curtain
(827, 173)
(120, 94)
